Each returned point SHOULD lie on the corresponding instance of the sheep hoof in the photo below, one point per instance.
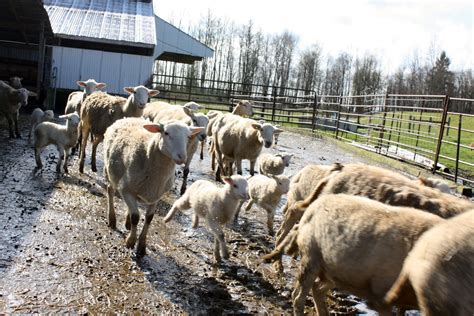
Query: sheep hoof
(130, 243)
(113, 224)
(94, 169)
(141, 251)
(271, 233)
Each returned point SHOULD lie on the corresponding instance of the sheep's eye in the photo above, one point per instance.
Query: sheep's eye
(195, 122)
(167, 134)
(235, 185)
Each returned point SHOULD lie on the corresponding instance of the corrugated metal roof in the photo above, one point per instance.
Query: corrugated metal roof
(129, 21)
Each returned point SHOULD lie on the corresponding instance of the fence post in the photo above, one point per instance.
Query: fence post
(447, 127)
(382, 130)
(458, 145)
(441, 131)
(190, 89)
(338, 115)
(315, 111)
(273, 109)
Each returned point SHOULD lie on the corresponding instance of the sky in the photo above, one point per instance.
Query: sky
(392, 30)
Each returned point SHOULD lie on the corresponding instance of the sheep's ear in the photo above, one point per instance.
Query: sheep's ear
(193, 131)
(423, 180)
(278, 131)
(63, 116)
(129, 90)
(81, 83)
(228, 180)
(257, 126)
(279, 155)
(188, 111)
(101, 85)
(152, 93)
(291, 155)
(153, 128)
(262, 122)
(31, 94)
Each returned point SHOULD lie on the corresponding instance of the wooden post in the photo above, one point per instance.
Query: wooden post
(399, 129)
(273, 109)
(447, 127)
(41, 53)
(429, 126)
(315, 111)
(382, 130)
(418, 134)
(441, 131)
(458, 145)
(338, 115)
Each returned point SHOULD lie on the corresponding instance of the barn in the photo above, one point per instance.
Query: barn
(54, 43)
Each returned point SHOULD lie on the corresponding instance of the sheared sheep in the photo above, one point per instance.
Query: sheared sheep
(266, 192)
(273, 164)
(139, 162)
(354, 244)
(63, 136)
(38, 116)
(440, 269)
(100, 110)
(217, 205)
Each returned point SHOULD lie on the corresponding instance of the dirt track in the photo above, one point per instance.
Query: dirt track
(58, 255)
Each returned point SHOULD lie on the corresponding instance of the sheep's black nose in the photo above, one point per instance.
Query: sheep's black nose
(268, 144)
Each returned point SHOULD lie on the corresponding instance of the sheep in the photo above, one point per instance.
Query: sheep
(435, 183)
(236, 138)
(273, 164)
(139, 163)
(76, 98)
(353, 244)
(11, 100)
(162, 111)
(15, 82)
(64, 137)
(440, 269)
(266, 192)
(217, 205)
(100, 110)
(38, 116)
(242, 108)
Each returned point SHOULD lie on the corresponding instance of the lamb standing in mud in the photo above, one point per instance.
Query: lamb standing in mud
(273, 164)
(353, 244)
(440, 269)
(217, 205)
(139, 162)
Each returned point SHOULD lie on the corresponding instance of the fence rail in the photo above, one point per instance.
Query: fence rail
(432, 131)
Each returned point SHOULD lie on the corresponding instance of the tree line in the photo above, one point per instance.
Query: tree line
(273, 64)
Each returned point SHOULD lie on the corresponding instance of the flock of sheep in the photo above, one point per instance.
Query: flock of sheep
(365, 230)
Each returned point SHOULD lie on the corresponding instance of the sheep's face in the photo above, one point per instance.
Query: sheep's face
(15, 82)
(192, 106)
(265, 133)
(239, 186)
(283, 183)
(200, 120)
(23, 94)
(90, 86)
(286, 158)
(72, 119)
(140, 95)
(244, 107)
(48, 115)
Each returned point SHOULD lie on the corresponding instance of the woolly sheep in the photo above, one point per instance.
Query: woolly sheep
(63, 136)
(273, 164)
(100, 110)
(11, 100)
(217, 205)
(162, 111)
(266, 192)
(15, 82)
(440, 269)
(139, 163)
(38, 116)
(353, 244)
(75, 99)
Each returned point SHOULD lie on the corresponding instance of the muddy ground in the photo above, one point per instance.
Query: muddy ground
(58, 255)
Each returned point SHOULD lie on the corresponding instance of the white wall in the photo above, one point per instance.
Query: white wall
(115, 69)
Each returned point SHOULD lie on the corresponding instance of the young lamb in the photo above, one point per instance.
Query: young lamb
(353, 244)
(217, 205)
(11, 100)
(440, 269)
(139, 162)
(273, 164)
(38, 116)
(162, 111)
(63, 136)
(266, 192)
(100, 110)
(76, 98)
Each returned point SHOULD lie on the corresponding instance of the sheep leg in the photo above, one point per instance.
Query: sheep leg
(236, 216)
(10, 126)
(15, 121)
(270, 216)
(238, 164)
(180, 204)
(67, 153)
(134, 217)
(95, 143)
(320, 290)
(61, 157)
(252, 167)
(85, 136)
(218, 239)
(112, 218)
(141, 247)
(201, 155)
(309, 270)
(39, 164)
(185, 175)
(213, 156)
(195, 220)
(289, 221)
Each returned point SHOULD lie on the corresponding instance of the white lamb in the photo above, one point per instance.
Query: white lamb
(266, 192)
(38, 116)
(63, 136)
(273, 164)
(217, 205)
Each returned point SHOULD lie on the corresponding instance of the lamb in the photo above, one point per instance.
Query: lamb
(139, 163)
(266, 192)
(440, 269)
(353, 244)
(435, 183)
(15, 82)
(38, 116)
(63, 136)
(273, 164)
(76, 98)
(217, 205)
(100, 110)
(236, 138)
(11, 100)
(162, 111)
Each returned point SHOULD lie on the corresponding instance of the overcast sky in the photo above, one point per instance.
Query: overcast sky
(389, 29)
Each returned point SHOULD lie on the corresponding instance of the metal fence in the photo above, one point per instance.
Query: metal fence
(419, 129)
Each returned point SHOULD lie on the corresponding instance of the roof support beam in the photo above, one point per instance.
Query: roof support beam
(41, 53)
(20, 24)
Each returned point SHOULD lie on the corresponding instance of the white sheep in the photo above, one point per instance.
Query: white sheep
(75, 99)
(63, 136)
(266, 192)
(273, 164)
(217, 205)
(100, 110)
(38, 116)
(11, 100)
(15, 82)
(139, 163)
